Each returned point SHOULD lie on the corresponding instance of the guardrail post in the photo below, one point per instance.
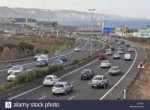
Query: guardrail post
(124, 93)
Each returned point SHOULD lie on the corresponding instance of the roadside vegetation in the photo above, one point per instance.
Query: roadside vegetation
(12, 48)
(31, 75)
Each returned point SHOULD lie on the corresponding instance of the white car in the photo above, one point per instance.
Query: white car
(42, 57)
(12, 76)
(120, 51)
(108, 52)
(15, 69)
(77, 49)
(100, 81)
(62, 88)
(127, 56)
(131, 49)
(105, 64)
(116, 56)
(118, 43)
(50, 80)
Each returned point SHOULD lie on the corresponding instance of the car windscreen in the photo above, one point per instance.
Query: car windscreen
(59, 85)
(48, 78)
(97, 78)
(15, 68)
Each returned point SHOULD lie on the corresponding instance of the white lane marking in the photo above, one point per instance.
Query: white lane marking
(26, 92)
(72, 82)
(3, 70)
(71, 98)
(121, 78)
(60, 77)
(42, 98)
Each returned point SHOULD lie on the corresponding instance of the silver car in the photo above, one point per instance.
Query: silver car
(116, 56)
(105, 64)
(15, 69)
(100, 81)
(114, 70)
(131, 49)
(62, 88)
(50, 80)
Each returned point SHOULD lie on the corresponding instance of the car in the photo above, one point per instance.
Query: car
(128, 45)
(50, 80)
(43, 57)
(63, 58)
(41, 63)
(15, 69)
(118, 43)
(57, 62)
(112, 48)
(62, 88)
(116, 56)
(131, 49)
(105, 64)
(120, 51)
(116, 40)
(13, 76)
(114, 70)
(127, 56)
(122, 42)
(87, 74)
(108, 52)
(101, 56)
(100, 81)
(77, 49)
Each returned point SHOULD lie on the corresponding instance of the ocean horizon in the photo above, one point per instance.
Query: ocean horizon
(135, 24)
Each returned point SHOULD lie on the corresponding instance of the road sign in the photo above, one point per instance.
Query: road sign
(141, 65)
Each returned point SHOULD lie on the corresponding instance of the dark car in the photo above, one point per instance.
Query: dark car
(41, 63)
(122, 42)
(87, 74)
(112, 48)
(128, 45)
(63, 58)
(102, 56)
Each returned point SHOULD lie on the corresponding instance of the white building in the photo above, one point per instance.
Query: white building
(144, 33)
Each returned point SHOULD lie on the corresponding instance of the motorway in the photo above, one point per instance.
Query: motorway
(82, 89)
(70, 54)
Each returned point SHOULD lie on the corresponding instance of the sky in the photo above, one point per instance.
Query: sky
(126, 8)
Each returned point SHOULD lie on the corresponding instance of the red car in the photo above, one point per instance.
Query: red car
(102, 56)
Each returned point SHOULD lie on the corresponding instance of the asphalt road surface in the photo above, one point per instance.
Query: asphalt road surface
(82, 89)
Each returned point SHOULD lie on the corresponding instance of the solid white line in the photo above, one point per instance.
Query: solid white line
(42, 98)
(3, 70)
(26, 92)
(71, 98)
(121, 78)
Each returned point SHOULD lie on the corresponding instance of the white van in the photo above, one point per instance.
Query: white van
(127, 56)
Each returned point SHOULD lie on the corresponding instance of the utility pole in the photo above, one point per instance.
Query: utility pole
(91, 10)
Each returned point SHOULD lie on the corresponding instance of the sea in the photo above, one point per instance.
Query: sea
(134, 24)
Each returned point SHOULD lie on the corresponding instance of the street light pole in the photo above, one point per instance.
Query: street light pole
(91, 10)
